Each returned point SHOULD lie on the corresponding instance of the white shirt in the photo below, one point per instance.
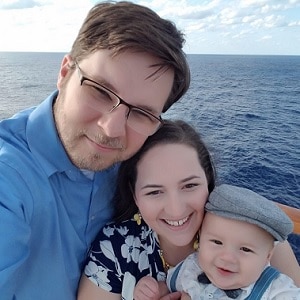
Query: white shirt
(281, 288)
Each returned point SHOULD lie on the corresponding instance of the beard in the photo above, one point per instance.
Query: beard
(74, 139)
(82, 158)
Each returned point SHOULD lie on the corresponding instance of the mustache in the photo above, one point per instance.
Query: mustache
(108, 141)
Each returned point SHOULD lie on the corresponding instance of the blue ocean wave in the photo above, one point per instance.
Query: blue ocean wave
(246, 108)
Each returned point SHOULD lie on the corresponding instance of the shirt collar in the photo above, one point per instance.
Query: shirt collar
(44, 142)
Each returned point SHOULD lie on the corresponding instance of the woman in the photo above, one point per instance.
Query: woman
(160, 200)
(165, 186)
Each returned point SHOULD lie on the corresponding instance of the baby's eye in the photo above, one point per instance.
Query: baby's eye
(245, 249)
(217, 242)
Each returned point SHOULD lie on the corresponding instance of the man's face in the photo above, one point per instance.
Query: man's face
(95, 140)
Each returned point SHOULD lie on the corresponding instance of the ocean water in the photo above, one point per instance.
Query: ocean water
(247, 108)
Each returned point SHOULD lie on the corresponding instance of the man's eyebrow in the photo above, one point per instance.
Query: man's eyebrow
(109, 86)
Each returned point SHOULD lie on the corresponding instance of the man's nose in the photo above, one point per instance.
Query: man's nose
(113, 123)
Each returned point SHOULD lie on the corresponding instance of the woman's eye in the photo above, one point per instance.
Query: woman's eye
(190, 185)
(156, 192)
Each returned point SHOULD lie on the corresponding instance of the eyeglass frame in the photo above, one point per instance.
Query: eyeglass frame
(83, 78)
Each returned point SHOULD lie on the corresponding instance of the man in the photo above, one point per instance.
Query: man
(58, 161)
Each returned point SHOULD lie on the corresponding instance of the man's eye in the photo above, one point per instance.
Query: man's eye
(102, 93)
(142, 115)
(98, 92)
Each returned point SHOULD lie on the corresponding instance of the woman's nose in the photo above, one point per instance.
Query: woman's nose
(175, 206)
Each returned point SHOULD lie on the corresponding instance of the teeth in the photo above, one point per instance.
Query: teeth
(177, 223)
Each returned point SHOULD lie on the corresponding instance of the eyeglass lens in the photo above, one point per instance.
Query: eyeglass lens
(103, 100)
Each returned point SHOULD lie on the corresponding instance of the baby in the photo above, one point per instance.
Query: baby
(237, 238)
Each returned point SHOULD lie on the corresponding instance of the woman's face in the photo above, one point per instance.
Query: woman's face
(171, 191)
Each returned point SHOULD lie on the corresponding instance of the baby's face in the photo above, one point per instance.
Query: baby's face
(233, 253)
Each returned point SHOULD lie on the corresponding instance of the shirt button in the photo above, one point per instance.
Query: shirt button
(210, 296)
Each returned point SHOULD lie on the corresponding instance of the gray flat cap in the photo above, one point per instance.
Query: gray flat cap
(241, 204)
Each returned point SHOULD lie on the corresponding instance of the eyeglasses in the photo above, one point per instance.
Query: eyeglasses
(102, 99)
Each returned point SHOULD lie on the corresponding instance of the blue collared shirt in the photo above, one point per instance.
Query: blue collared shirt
(50, 211)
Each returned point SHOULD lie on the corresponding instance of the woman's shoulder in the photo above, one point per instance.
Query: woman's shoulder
(119, 241)
(122, 254)
(121, 230)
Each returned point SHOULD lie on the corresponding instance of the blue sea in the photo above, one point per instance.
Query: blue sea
(247, 108)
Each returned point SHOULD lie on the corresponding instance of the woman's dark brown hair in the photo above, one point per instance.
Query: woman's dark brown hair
(172, 132)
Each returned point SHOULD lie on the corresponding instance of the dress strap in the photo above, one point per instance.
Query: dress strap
(263, 282)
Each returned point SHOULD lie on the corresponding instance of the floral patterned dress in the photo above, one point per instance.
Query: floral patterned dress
(122, 254)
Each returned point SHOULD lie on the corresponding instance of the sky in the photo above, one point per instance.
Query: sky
(251, 27)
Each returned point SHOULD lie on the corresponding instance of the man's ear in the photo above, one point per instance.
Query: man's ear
(63, 71)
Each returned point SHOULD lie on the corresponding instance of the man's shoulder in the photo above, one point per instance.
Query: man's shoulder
(12, 130)
(23, 133)
(13, 141)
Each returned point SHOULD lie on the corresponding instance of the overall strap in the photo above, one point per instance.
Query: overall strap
(174, 278)
(263, 282)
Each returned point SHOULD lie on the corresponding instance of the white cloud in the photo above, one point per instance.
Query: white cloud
(266, 37)
(47, 26)
(18, 4)
(51, 25)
